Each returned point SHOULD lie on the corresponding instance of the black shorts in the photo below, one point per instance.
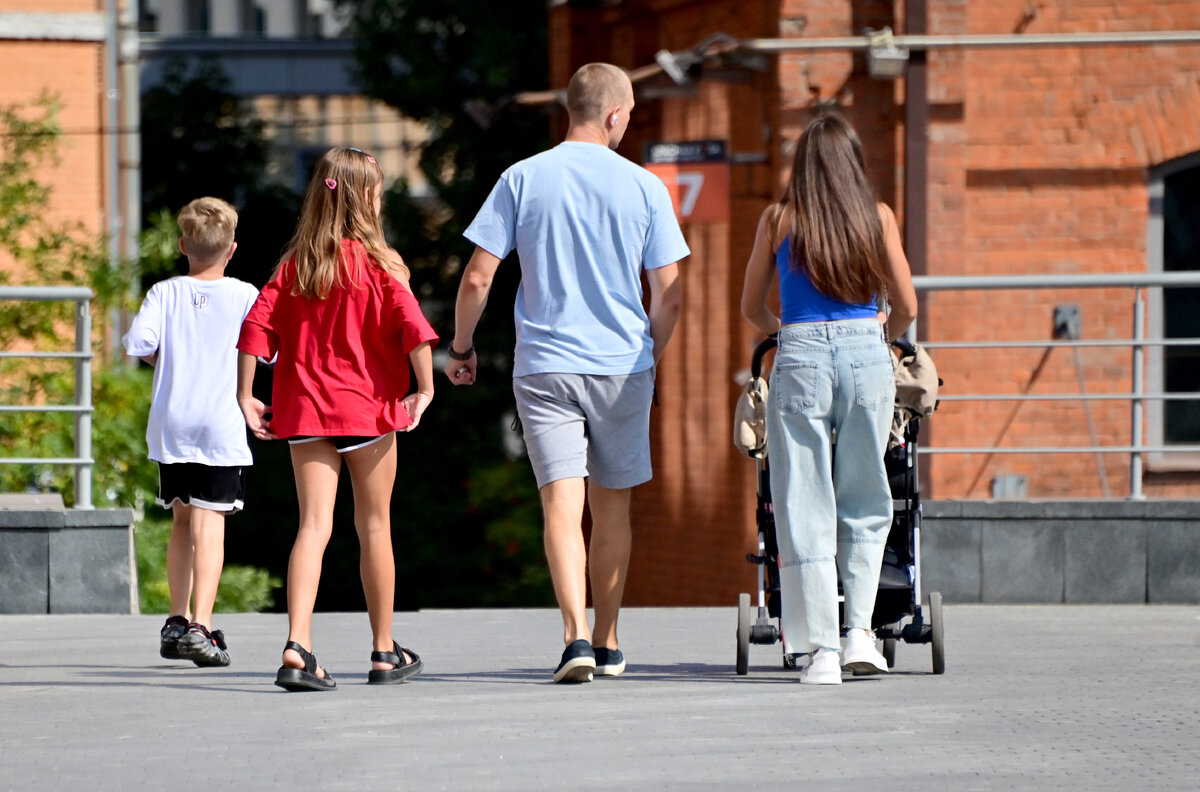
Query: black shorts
(342, 443)
(209, 487)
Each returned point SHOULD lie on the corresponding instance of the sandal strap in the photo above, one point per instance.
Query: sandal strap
(396, 656)
(310, 662)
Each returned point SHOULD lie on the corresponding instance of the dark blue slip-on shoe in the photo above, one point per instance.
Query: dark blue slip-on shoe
(609, 662)
(577, 664)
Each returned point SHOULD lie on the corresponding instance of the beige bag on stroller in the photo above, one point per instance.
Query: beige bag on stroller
(750, 419)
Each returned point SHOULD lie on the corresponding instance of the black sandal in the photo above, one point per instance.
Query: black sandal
(402, 671)
(298, 679)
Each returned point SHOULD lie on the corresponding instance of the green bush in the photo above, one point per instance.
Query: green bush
(65, 255)
(243, 588)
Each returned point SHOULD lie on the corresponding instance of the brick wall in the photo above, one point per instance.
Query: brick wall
(74, 73)
(1038, 163)
(1044, 170)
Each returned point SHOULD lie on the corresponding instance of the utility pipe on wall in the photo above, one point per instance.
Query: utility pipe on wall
(131, 148)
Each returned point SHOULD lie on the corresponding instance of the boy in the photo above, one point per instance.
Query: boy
(187, 328)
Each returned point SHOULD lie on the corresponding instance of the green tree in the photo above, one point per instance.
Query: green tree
(199, 138)
(467, 514)
(65, 254)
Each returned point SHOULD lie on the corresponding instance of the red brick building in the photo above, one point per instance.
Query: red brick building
(58, 47)
(1035, 160)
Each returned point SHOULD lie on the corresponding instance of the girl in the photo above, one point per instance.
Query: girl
(339, 316)
(834, 252)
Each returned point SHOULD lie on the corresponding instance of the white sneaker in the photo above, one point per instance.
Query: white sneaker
(825, 669)
(860, 655)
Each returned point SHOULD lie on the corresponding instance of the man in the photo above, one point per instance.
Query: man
(585, 223)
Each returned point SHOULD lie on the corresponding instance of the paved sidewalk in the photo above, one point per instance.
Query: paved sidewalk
(1039, 697)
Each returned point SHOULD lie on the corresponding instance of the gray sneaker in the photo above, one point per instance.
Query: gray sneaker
(202, 647)
(169, 635)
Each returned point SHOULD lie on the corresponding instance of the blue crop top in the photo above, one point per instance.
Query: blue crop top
(799, 300)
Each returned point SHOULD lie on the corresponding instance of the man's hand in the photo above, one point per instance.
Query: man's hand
(462, 372)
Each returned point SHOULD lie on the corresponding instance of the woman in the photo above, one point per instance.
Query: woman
(836, 255)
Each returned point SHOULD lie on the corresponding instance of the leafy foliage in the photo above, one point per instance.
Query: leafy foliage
(66, 255)
(242, 589)
(470, 531)
(199, 138)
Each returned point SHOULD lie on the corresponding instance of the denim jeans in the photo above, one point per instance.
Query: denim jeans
(831, 380)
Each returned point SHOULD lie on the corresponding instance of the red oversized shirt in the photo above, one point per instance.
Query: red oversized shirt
(342, 366)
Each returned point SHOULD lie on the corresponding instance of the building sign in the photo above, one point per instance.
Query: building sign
(696, 173)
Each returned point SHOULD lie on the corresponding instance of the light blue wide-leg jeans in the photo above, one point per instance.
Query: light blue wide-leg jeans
(832, 511)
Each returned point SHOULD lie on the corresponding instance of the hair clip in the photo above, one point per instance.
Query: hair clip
(331, 183)
(370, 159)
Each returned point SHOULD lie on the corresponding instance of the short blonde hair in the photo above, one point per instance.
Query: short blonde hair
(594, 89)
(207, 226)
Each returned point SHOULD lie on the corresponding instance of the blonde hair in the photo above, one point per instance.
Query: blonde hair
(207, 226)
(594, 89)
(837, 236)
(339, 206)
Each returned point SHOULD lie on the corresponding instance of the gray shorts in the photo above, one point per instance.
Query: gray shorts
(584, 425)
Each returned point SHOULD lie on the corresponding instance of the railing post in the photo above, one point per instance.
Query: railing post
(1139, 388)
(83, 398)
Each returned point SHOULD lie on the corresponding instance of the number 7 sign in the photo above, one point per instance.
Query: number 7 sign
(696, 173)
(699, 190)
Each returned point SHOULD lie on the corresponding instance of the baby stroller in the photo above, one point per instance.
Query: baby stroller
(901, 612)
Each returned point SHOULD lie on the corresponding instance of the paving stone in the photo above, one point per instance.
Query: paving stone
(950, 559)
(1034, 697)
(24, 559)
(1173, 562)
(1105, 561)
(1022, 561)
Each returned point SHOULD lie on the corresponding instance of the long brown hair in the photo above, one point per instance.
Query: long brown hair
(338, 206)
(837, 236)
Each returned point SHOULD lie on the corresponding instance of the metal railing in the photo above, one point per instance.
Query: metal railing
(82, 408)
(1138, 345)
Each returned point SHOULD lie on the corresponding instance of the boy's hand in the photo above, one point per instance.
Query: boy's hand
(415, 404)
(255, 413)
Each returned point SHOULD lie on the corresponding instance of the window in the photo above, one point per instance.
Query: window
(196, 17)
(1173, 245)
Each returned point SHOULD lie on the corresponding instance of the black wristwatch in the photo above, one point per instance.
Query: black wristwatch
(460, 355)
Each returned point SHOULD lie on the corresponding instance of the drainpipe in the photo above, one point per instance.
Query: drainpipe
(916, 174)
(916, 144)
(131, 147)
(112, 98)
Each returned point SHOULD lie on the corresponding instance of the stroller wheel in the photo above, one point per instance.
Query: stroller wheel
(889, 651)
(937, 630)
(743, 634)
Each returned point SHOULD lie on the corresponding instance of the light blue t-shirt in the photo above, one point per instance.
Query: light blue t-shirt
(584, 221)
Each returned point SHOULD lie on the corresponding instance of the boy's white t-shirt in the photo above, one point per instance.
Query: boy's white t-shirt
(194, 325)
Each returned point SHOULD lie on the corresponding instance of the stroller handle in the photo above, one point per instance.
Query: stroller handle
(764, 346)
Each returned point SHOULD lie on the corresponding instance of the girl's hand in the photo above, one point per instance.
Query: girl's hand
(255, 413)
(415, 405)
